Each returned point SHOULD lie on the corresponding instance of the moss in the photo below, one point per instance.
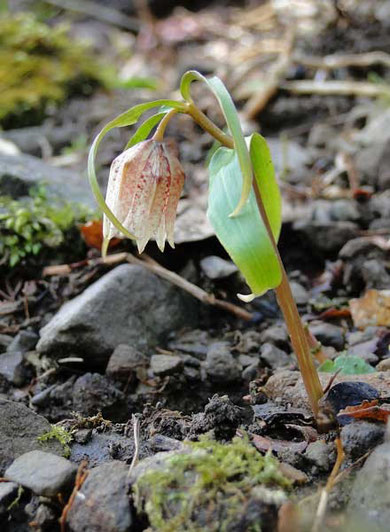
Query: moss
(212, 483)
(39, 66)
(60, 434)
(30, 225)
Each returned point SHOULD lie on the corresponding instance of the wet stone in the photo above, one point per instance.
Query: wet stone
(163, 365)
(43, 473)
(221, 366)
(328, 334)
(124, 362)
(20, 428)
(275, 357)
(361, 436)
(103, 504)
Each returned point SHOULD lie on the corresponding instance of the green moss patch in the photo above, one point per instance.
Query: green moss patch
(209, 486)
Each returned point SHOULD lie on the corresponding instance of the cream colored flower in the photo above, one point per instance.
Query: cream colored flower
(143, 191)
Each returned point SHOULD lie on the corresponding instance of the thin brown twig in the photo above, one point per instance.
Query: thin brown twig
(343, 60)
(336, 87)
(81, 475)
(172, 277)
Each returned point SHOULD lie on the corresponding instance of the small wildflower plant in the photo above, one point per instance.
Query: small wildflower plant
(244, 204)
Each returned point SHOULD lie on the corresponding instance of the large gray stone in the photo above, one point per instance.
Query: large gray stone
(43, 473)
(103, 504)
(369, 505)
(129, 305)
(221, 366)
(20, 428)
(20, 172)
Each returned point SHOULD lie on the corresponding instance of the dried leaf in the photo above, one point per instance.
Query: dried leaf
(92, 233)
(371, 309)
(367, 410)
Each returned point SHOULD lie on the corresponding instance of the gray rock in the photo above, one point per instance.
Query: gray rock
(380, 205)
(277, 335)
(344, 210)
(250, 372)
(12, 368)
(24, 341)
(361, 436)
(43, 473)
(20, 428)
(5, 341)
(318, 453)
(375, 275)
(275, 357)
(221, 366)
(326, 237)
(104, 505)
(8, 493)
(329, 334)
(301, 295)
(20, 172)
(321, 135)
(93, 393)
(216, 268)
(124, 362)
(163, 365)
(369, 505)
(129, 305)
(246, 360)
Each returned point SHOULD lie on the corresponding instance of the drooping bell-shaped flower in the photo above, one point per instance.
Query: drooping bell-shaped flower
(143, 191)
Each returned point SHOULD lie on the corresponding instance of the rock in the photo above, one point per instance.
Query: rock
(301, 295)
(103, 504)
(322, 135)
(24, 341)
(93, 393)
(129, 305)
(12, 368)
(124, 362)
(45, 518)
(221, 366)
(318, 453)
(5, 341)
(217, 268)
(361, 436)
(374, 274)
(8, 493)
(277, 335)
(20, 428)
(99, 447)
(275, 357)
(345, 210)
(43, 473)
(380, 205)
(250, 372)
(163, 365)
(384, 365)
(328, 334)
(369, 505)
(220, 416)
(20, 172)
(327, 238)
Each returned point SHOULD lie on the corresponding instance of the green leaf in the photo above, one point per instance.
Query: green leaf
(349, 365)
(145, 128)
(230, 114)
(266, 181)
(127, 118)
(244, 237)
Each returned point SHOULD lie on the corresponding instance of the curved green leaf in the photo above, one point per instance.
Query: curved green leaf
(127, 118)
(145, 128)
(230, 114)
(268, 186)
(244, 237)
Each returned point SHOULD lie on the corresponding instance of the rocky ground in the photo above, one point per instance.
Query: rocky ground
(127, 404)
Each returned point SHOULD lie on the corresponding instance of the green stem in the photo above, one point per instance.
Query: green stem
(283, 291)
(160, 131)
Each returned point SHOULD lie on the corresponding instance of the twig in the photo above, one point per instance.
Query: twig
(81, 475)
(334, 87)
(98, 11)
(343, 60)
(329, 485)
(172, 277)
(136, 419)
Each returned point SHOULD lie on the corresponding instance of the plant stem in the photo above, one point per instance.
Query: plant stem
(159, 134)
(283, 291)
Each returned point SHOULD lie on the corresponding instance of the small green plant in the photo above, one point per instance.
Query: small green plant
(60, 434)
(211, 482)
(29, 225)
(346, 365)
(41, 65)
(244, 200)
